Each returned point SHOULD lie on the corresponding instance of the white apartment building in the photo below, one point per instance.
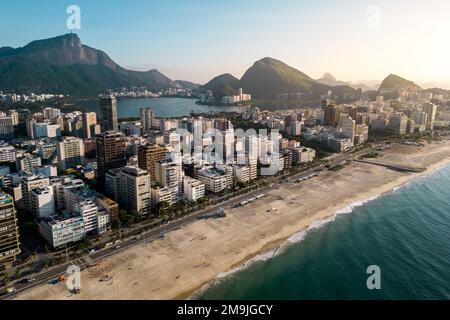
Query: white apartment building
(70, 152)
(59, 231)
(15, 117)
(89, 211)
(169, 174)
(252, 163)
(28, 163)
(253, 146)
(131, 187)
(215, 180)
(147, 119)
(193, 189)
(46, 130)
(26, 184)
(48, 171)
(103, 221)
(226, 146)
(430, 109)
(7, 153)
(132, 128)
(51, 113)
(348, 127)
(172, 140)
(160, 194)
(42, 202)
(296, 128)
(168, 124)
(339, 144)
(242, 173)
(68, 193)
(240, 97)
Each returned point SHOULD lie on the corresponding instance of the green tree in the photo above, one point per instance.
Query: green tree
(116, 224)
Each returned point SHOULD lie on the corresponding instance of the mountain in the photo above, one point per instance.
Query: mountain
(223, 85)
(187, 84)
(329, 80)
(367, 85)
(64, 65)
(268, 78)
(428, 85)
(395, 83)
(372, 84)
(329, 76)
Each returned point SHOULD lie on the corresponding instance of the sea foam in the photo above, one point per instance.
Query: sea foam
(295, 238)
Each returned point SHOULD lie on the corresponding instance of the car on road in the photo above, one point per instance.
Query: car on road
(30, 280)
(10, 290)
(23, 281)
(54, 282)
(118, 247)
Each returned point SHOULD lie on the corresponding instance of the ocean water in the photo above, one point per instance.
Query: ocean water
(406, 233)
(163, 107)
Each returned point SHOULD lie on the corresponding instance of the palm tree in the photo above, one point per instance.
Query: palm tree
(163, 208)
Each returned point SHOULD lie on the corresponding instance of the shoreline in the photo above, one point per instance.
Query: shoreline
(281, 244)
(192, 260)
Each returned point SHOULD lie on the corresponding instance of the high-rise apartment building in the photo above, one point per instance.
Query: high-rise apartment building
(22, 192)
(42, 202)
(90, 127)
(147, 119)
(70, 153)
(111, 153)
(398, 123)
(296, 128)
(6, 128)
(9, 230)
(419, 117)
(132, 188)
(430, 109)
(149, 155)
(332, 115)
(110, 206)
(15, 116)
(108, 111)
(348, 126)
(89, 211)
(27, 163)
(168, 174)
(51, 113)
(222, 124)
(193, 189)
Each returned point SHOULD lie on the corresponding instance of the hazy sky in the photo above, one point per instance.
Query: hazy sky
(198, 39)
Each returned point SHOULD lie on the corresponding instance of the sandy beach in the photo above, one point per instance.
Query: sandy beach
(191, 258)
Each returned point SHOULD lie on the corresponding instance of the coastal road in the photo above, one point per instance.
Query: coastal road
(158, 233)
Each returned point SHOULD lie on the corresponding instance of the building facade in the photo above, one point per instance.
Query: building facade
(9, 230)
(108, 111)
